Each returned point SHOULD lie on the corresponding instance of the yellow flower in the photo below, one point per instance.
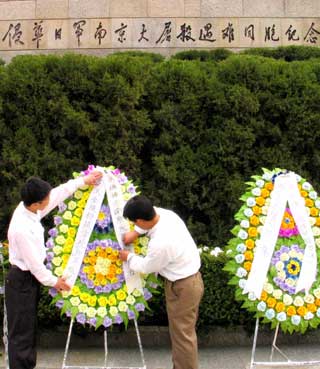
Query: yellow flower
(75, 221)
(102, 301)
(92, 300)
(250, 244)
(81, 204)
(271, 302)
(69, 241)
(302, 311)
(247, 265)
(121, 295)
(75, 291)
(291, 310)
(71, 232)
(78, 212)
(252, 231)
(84, 296)
(112, 300)
(280, 307)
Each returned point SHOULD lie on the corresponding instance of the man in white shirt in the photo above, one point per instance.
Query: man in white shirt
(173, 254)
(27, 270)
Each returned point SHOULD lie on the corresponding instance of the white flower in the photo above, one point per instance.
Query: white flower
(72, 205)
(251, 201)
(83, 308)
(91, 312)
(78, 194)
(313, 195)
(316, 231)
(123, 307)
(256, 191)
(57, 250)
(308, 316)
(200, 250)
(63, 228)
(263, 220)
(277, 294)
(268, 288)
(287, 299)
(279, 265)
(316, 292)
(229, 252)
(259, 229)
(67, 215)
(312, 221)
(293, 253)
(261, 306)
(317, 204)
(102, 311)
(260, 183)
(205, 248)
(318, 312)
(267, 176)
(284, 257)
(282, 274)
(252, 296)
(298, 178)
(281, 316)
(300, 255)
(241, 247)
(113, 311)
(216, 251)
(60, 240)
(298, 301)
(264, 210)
(243, 235)
(307, 210)
(242, 283)
(130, 300)
(270, 314)
(306, 186)
(309, 299)
(57, 261)
(75, 301)
(268, 201)
(241, 272)
(295, 319)
(248, 212)
(239, 258)
(58, 271)
(290, 282)
(65, 294)
(244, 224)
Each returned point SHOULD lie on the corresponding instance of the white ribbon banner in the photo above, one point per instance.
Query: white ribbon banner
(110, 185)
(285, 191)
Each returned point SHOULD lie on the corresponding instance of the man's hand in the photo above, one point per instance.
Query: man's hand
(61, 285)
(123, 255)
(93, 178)
(129, 237)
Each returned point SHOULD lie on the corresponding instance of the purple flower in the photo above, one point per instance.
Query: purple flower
(131, 189)
(68, 313)
(50, 243)
(139, 307)
(57, 220)
(62, 207)
(88, 170)
(116, 172)
(131, 314)
(107, 322)
(53, 292)
(107, 288)
(49, 266)
(153, 285)
(50, 256)
(98, 289)
(118, 319)
(147, 294)
(122, 179)
(81, 318)
(59, 304)
(92, 322)
(53, 232)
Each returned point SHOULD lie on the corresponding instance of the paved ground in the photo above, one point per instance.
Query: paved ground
(159, 358)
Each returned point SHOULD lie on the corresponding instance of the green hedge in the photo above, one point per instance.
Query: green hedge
(190, 133)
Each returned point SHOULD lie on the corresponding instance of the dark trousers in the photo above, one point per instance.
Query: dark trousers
(21, 297)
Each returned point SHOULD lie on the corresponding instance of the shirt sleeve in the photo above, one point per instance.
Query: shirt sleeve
(32, 259)
(60, 193)
(140, 230)
(156, 259)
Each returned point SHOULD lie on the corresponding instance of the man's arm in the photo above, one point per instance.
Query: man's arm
(60, 193)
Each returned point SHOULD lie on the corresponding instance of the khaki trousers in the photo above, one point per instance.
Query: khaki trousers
(182, 300)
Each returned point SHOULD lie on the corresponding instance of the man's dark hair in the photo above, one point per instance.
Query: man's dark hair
(34, 190)
(139, 207)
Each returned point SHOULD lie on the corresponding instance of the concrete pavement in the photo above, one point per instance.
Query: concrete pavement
(160, 358)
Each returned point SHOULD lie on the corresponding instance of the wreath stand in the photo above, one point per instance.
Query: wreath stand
(64, 363)
(274, 347)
